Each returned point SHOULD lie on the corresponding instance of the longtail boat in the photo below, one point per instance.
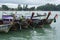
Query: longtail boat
(5, 28)
(5, 23)
(12, 22)
(41, 22)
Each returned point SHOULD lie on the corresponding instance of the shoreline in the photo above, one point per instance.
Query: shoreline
(16, 10)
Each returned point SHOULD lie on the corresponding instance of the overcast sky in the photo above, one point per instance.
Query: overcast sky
(29, 2)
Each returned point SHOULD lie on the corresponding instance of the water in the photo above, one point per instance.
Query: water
(52, 33)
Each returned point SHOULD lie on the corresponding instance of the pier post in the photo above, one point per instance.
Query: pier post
(20, 26)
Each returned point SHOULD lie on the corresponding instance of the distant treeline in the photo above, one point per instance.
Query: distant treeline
(47, 7)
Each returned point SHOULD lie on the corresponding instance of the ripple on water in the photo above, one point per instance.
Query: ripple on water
(16, 38)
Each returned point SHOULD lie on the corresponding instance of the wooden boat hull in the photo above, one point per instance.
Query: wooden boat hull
(5, 27)
(40, 23)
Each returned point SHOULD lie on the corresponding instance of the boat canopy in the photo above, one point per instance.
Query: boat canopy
(7, 17)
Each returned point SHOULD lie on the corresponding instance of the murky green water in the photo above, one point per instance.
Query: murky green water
(35, 34)
(50, 33)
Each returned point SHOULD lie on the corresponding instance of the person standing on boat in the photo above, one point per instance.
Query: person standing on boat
(22, 18)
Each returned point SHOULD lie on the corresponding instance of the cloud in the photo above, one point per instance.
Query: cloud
(13, 3)
(39, 2)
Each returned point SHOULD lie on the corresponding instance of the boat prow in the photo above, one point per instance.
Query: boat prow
(5, 27)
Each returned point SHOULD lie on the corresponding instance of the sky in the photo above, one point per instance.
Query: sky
(13, 3)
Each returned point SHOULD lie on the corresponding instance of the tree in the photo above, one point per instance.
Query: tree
(25, 7)
(32, 8)
(47, 7)
(58, 7)
(19, 7)
(4, 7)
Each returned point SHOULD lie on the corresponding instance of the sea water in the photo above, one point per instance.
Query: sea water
(50, 33)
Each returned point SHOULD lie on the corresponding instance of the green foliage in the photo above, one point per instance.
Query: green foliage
(4, 7)
(58, 7)
(47, 7)
(25, 7)
(32, 8)
(19, 7)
